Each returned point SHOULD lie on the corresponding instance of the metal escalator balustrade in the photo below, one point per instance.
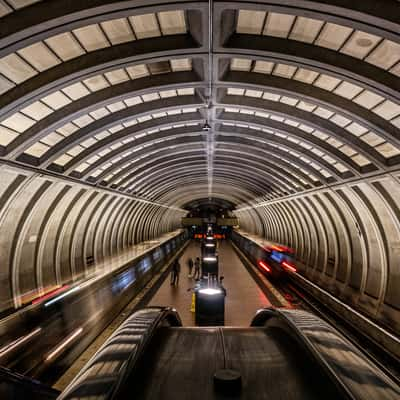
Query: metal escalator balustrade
(154, 336)
(348, 367)
(105, 373)
(17, 386)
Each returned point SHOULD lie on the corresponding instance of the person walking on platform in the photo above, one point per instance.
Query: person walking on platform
(197, 268)
(176, 269)
(190, 266)
(172, 275)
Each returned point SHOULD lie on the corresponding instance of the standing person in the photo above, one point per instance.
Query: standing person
(173, 274)
(176, 269)
(190, 266)
(197, 268)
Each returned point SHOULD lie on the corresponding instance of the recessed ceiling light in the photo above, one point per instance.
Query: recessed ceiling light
(206, 127)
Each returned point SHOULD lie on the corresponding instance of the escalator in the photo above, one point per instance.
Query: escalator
(269, 364)
(284, 354)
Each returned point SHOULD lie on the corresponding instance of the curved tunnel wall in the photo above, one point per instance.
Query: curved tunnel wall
(346, 239)
(53, 232)
(115, 95)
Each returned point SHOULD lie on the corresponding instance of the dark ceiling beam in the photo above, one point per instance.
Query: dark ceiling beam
(148, 164)
(183, 140)
(98, 62)
(172, 184)
(192, 192)
(123, 150)
(244, 155)
(316, 58)
(101, 124)
(154, 137)
(273, 171)
(276, 173)
(46, 19)
(204, 202)
(97, 100)
(247, 181)
(157, 175)
(126, 114)
(306, 118)
(265, 141)
(160, 155)
(144, 140)
(132, 170)
(158, 105)
(315, 95)
(157, 183)
(297, 133)
(169, 188)
(277, 167)
(162, 105)
(71, 180)
(284, 157)
(228, 188)
(252, 189)
(367, 15)
(165, 167)
(255, 160)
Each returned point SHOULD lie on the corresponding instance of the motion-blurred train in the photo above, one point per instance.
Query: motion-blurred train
(53, 329)
(274, 260)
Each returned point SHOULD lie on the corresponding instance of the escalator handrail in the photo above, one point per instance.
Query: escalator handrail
(354, 374)
(127, 344)
(33, 386)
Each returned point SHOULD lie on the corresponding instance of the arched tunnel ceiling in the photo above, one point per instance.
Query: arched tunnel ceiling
(299, 95)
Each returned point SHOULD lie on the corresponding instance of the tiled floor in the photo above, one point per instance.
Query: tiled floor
(243, 298)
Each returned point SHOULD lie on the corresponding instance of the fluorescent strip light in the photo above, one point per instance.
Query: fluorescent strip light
(11, 346)
(211, 259)
(64, 344)
(61, 296)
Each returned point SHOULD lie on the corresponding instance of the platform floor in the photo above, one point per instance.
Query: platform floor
(243, 298)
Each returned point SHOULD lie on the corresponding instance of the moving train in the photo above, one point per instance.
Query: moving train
(274, 260)
(52, 330)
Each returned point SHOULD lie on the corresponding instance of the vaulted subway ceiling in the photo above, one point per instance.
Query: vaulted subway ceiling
(297, 98)
(102, 112)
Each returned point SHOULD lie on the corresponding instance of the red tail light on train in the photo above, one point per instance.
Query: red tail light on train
(289, 267)
(264, 266)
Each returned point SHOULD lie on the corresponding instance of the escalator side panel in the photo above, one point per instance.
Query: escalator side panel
(273, 366)
(180, 365)
(16, 386)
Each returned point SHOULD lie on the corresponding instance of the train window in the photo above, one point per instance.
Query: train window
(89, 260)
(144, 265)
(277, 256)
(157, 255)
(122, 281)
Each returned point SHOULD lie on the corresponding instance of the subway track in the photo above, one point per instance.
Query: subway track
(295, 296)
(386, 362)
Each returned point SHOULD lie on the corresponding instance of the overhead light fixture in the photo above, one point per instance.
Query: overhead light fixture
(206, 127)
